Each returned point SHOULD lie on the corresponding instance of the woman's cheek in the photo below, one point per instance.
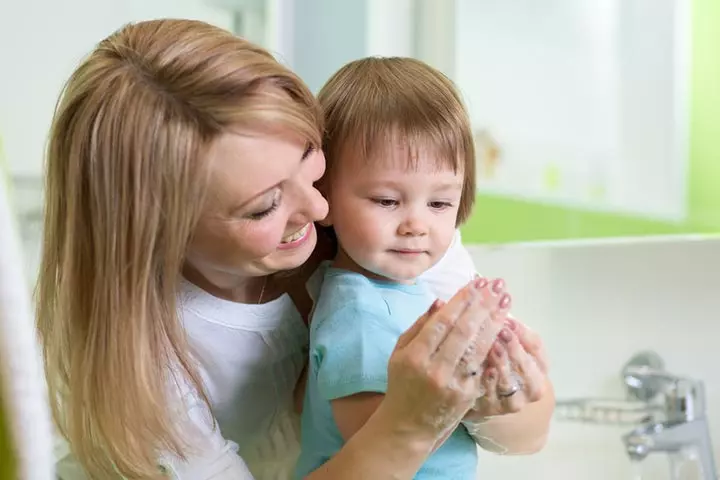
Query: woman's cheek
(264, 238)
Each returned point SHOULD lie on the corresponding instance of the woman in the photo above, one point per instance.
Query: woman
(180, 177)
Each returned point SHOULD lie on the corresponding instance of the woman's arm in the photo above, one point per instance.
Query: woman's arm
(381, 449)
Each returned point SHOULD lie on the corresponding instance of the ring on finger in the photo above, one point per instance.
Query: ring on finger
(517, 378)
(510, 392)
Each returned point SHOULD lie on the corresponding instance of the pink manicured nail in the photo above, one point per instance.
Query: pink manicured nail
(481, 282)
(505, 335)
(505, 301)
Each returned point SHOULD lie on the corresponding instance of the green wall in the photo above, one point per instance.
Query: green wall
(7, 456)
(500, 220)
(704, 200)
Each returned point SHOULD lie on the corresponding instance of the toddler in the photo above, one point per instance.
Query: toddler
(400, 179)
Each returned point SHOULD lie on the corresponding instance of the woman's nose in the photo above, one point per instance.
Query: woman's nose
(317, 206)
(310, 205)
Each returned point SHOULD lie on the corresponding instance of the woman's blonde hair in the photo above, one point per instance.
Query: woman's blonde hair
(125, 182)
(370, 103)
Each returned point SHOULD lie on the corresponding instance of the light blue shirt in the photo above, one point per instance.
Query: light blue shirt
(355, 326)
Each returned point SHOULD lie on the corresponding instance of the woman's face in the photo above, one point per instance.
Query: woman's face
(260, 208)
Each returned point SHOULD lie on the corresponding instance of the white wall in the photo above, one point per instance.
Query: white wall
(41, 42)
(595, 306)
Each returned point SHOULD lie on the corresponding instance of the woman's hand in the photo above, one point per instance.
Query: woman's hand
(430, 386)
(429, 389)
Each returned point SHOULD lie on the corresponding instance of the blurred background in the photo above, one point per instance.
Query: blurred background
(596, 123)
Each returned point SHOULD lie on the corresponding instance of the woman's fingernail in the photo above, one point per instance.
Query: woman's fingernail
(491, 373)
(480, 283)
(505, 301)
(505, 335)
(511, 324)
(498, 285)
(498, 350)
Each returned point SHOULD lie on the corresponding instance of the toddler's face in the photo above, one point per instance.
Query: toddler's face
(392, 220)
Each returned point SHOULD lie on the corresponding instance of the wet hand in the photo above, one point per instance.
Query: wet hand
(432, 383)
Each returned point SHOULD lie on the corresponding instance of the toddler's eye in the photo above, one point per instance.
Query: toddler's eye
(385, 202)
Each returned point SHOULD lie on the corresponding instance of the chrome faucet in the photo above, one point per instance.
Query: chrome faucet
(681, 423)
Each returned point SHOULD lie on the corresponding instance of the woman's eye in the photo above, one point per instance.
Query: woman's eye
(264, 213)
(310, 149)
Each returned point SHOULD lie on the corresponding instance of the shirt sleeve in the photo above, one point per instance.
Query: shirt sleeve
(352, 349)
(452, 272)
(212, 457)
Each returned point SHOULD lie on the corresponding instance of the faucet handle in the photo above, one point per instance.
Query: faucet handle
(684, 397)
(640, 375)
(646, 379)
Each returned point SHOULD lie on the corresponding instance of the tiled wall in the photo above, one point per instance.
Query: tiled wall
(595, 305)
